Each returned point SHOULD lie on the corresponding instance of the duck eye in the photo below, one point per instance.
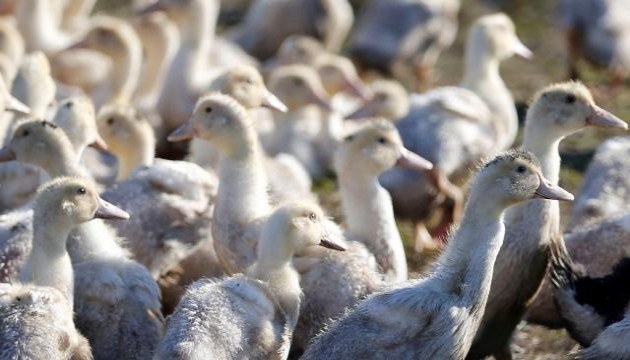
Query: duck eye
(110, 121)
(312, 216)
(297, 82)
(382, 140)
(521, 169)
(249, 81)
(570, 99)
(69, 104)
(25, 133)
(81, 191)
(349, 138)
(381, 97)
(208, 110)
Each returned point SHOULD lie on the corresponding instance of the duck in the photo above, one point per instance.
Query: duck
(242, 207)
(41, 309)
(295, 49)
(33, 84)
(259, 35)
(532, 227)
(191, 70)
(437, 316)
(368, 211)
(172, 200)
(245, 84)
(113, 293)
(264, 303)
(481, 110)
(588, 304)
(604, 187)
(76, 117)
(596, 31)
(117, 40)
(298, 86)
(393, 34)
(38, 22)
(75, 14)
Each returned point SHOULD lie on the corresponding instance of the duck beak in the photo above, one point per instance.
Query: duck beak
(184, 132)
(13, 104)
(410, 160)
(320, 100)
(356, 88)
(331, 244)
(156, 6)
(520, 49)
(99, 144)
(271, 101)
(109, 211)
(602, 118)
(546, 190)
(6, 154)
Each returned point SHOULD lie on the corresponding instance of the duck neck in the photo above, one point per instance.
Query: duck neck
(467, 264)
(64, 163)
(481, 71)
(158, 57)
(242, 194)
(40, 27)
(126, 72)
(142, 155)
(544, 145)
(198, 36)
(49, 261)
(369, 217)
(94, 240)
(274, 267)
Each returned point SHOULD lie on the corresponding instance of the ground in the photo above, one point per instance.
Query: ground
(537, 27)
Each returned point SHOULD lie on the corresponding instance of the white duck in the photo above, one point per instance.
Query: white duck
(263, 306)
(117, 40)
(437, 317)
(532, 227)
(369, 214)
(42, 312)
(296, 131)
(12, 46)
(171, 201)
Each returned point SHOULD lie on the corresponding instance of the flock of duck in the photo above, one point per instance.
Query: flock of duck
(156, 185)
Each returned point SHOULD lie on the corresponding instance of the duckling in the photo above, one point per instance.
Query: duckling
(113, 293)
(116, 39)
(35, 321)
(437, 317)
(332, 283)
(327, 20)
(61, 205)
(75, 115)
(246, 85)
(605, 186)
(556, 112)
(172, 200)
(597, 31)
(367, 206)
(33, 84)
(412, 33)
(263, 306)
(482, 114)
(295, 131)
(388, 99)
